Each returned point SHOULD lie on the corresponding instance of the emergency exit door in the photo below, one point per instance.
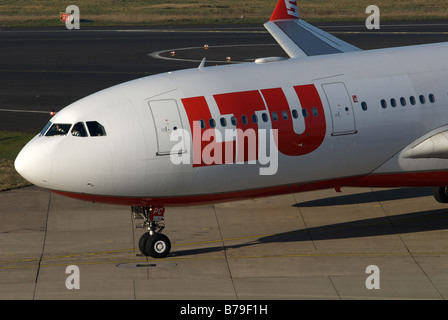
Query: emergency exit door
(168, 125)
(341, 108)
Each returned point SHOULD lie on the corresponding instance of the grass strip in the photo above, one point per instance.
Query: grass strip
(10, 145)
(143, 12)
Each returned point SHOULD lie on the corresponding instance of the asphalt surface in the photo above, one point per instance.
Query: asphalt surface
(306, 246)
(314, 245)
(46, 69)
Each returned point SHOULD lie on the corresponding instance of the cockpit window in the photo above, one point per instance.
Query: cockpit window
(95, 129)
(79, 130)
(58, 129)
(44, 130)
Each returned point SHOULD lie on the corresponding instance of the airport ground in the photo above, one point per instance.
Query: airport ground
(314, 245)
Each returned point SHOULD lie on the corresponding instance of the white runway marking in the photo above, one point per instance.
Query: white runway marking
(24, 111)
(158, 54)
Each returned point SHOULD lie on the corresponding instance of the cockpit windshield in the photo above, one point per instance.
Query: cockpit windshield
(58, 129)
(79, 130)
(44, 130)
(94, 128)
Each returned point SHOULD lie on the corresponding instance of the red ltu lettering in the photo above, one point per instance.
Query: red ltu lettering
(205, 151)
(289, 142)
(243, 106)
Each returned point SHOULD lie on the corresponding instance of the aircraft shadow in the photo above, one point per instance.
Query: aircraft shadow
(367, 197)
(399, 224)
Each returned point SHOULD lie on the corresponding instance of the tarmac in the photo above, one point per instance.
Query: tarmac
(323, 245)
(314, 245)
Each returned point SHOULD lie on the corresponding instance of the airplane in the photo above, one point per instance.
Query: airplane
(329, 116)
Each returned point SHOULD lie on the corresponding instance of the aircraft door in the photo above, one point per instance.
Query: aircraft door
(341, 108)
(167, 121)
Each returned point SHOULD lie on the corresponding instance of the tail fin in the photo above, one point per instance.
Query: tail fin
(297, 37)
(285, 10)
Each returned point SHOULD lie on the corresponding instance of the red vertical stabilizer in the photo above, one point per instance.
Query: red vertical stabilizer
(285, 10)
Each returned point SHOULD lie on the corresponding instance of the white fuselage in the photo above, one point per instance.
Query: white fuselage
(360, 136)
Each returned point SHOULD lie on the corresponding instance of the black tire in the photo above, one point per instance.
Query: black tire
(142, 243)
(158, 246)
(441, 194)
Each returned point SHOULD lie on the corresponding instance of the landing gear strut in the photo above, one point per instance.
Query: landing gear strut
(152, 243)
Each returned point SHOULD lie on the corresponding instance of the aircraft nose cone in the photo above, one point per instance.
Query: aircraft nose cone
(34, 162)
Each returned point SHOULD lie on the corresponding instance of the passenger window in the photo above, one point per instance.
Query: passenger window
(202, 123)
(285, 115)
(383, 104)
(274, 116)
(233, 120)
(422, 99)
(254, 118)
(393, 102)
(412, 100)
(58, 129)
(295, 114)
(432, 99)
(305, 113)
(95, 129)
(79, 130)
(403, 101)
(315, 112)
(223, 122)
(244, 119)
(212, 123)
(364, 105)
(264, 116)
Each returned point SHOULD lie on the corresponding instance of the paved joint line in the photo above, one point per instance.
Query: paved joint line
(406, 246)
(43, 247)
(225, 253)
(304, 223)
(334, 287)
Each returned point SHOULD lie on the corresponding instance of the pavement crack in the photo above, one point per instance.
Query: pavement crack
(304, 222)
(225, 253)
(396, 231)
(43, 247)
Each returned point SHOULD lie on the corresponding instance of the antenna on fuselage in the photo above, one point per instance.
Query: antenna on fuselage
(202, 64)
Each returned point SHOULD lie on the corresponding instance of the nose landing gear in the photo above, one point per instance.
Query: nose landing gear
(152, 243)
(441, 194)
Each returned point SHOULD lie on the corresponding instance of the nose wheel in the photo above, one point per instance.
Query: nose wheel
(157, 245)
(441, 194)
(152, 243)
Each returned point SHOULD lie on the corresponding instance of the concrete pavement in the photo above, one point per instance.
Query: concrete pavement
(314, 245)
